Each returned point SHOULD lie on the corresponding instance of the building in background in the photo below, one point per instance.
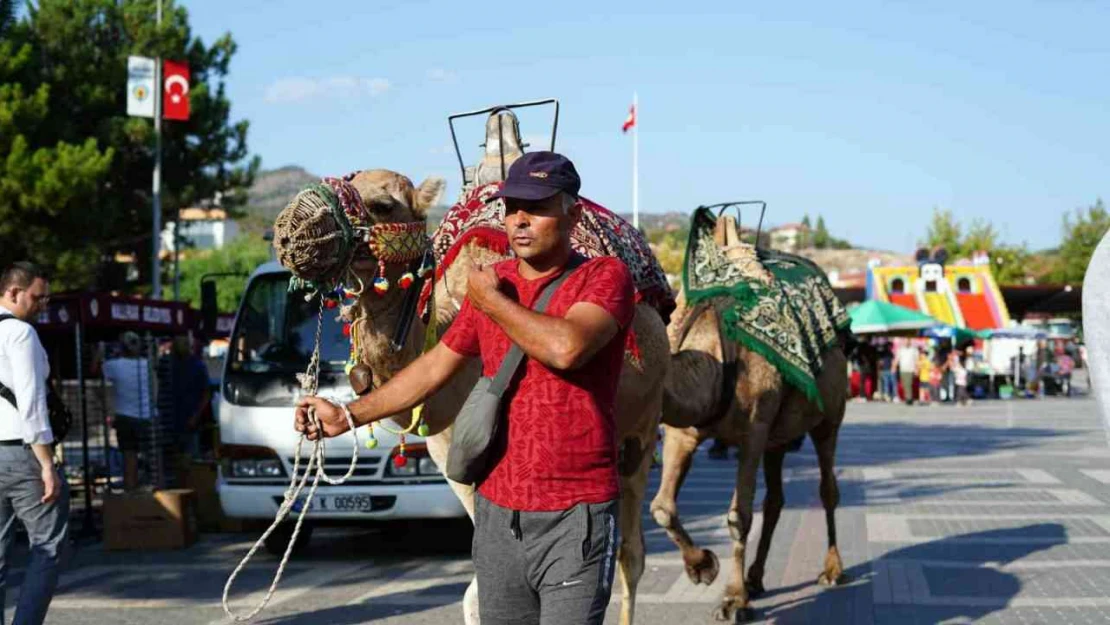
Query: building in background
(788, 237)
(201, 229)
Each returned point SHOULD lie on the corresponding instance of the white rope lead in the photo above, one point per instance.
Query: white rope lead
(315, 467)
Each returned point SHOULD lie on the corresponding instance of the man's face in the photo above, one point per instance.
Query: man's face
(31, 301)
(539, 228)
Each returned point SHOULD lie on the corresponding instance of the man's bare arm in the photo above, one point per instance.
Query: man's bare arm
(565, 343)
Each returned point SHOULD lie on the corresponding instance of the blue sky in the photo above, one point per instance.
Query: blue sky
(869, 113)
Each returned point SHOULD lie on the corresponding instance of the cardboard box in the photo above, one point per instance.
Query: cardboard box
(201, 479)
(164, 519)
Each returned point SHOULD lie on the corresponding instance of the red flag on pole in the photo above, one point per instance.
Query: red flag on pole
(630, 121)
(175, 90)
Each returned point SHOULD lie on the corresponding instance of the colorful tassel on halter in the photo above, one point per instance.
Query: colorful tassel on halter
(405, 280)
(381, 283)
(400, 459)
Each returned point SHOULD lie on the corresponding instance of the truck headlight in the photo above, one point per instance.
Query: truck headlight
(409, 470)
(427, 466)
(244, 468)
(270, 468)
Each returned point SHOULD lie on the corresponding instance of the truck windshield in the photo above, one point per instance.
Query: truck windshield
(276, 331)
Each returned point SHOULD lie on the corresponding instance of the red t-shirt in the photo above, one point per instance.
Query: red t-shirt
(560, 448)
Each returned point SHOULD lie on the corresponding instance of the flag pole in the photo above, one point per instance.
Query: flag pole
(635, 162)
(156, 185)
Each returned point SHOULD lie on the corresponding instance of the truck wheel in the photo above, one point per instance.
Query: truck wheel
(279, 539)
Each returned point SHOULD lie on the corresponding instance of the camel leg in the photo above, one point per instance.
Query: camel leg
(772, 509)
(735, 600)
(438, 446)
(633, 488)
(824, 440)
(678, 454)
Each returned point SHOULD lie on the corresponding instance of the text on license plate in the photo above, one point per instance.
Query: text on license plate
(337, 503)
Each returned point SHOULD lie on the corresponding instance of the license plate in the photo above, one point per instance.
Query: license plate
(336, 503)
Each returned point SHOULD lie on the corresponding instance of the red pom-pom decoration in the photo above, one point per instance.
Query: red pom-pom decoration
(347, 329)
(381, 285)
(400, 461)
(405, 281)
(330, 304)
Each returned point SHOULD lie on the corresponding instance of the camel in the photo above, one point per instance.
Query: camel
(390, 197)
(759, 412)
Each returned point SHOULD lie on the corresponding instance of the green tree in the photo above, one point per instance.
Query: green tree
(821, 238)
(240, 256)
(79, 56)
(805, 237)
(43, 179)
(981, 236)
(1080, 237)
(944, 231)
(7, 14)
(1011, 264)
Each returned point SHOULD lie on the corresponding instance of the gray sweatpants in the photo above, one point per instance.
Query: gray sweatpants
(21, 491)
(550, 568)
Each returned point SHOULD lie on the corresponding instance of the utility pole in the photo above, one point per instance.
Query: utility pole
(636, 162)
(156, 262)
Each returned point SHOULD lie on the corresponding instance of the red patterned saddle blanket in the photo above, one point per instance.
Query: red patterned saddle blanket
(600, 232)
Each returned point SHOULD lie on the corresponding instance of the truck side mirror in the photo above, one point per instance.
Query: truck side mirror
(209, 310)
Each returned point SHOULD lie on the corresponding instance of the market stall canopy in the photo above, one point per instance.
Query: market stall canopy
(947, 332)
(1016, 332)
(103, 310)
(876, 317)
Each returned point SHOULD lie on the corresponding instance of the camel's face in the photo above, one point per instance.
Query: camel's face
(538, 230)
(392, 198)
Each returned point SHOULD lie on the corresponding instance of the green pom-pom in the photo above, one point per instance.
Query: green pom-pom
(371, 443)
(422, 429)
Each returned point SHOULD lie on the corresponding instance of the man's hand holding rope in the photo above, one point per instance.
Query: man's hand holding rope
(331, 417)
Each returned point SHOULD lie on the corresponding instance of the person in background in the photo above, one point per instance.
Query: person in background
(1065, 365)
(134, 412)
(887, 376)
(907, 361)
(184, 387)
(925, 369)
(959, 376)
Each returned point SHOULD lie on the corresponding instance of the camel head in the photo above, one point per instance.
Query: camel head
(365, 233)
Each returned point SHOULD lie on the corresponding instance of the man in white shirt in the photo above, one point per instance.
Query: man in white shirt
(30, 488)
(130, 378)
(906, 359)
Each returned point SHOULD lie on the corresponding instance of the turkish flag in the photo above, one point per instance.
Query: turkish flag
(629, 121)
(175, 90)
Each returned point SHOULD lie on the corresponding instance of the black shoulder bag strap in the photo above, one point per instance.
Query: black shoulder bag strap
(513, 359)
(6, 392)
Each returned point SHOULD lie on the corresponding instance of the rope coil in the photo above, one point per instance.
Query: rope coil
(310, 380)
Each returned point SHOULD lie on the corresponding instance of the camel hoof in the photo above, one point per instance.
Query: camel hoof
(729, 611)
(832, 579)
(755, 588)
(705, 570)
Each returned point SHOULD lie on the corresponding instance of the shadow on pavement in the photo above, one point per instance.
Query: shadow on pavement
(961, 574)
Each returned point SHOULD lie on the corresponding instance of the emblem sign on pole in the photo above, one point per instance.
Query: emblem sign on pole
(140, 86)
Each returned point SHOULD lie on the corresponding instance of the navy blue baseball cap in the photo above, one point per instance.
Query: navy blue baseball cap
(540, 175)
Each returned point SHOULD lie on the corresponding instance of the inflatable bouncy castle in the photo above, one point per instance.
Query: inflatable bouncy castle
(962, 294)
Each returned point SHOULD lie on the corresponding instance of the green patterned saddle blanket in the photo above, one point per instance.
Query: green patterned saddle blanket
(778, 305)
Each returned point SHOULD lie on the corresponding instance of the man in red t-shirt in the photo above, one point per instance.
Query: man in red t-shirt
(545, 517)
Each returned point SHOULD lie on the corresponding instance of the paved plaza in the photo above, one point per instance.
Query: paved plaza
(995, 513)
